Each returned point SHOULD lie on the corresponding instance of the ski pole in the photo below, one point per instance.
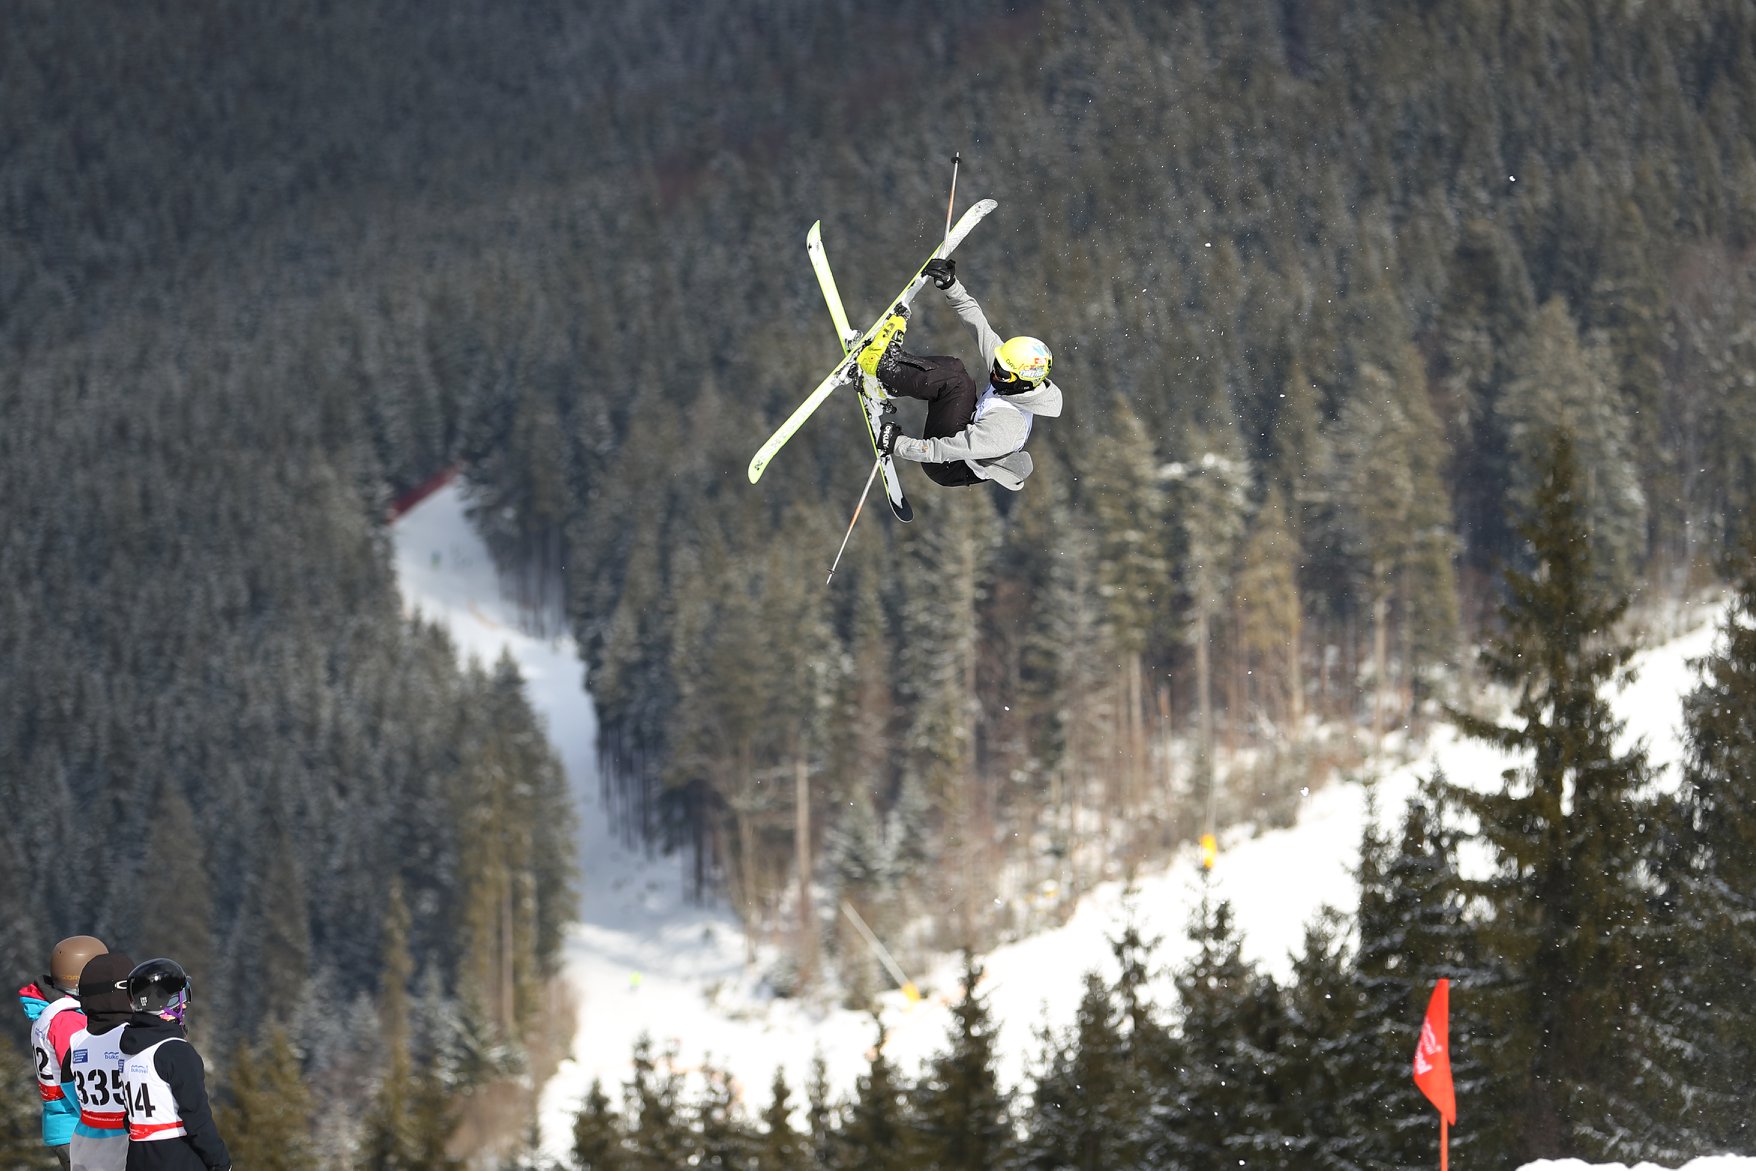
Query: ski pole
(952, 202)
(876, 464)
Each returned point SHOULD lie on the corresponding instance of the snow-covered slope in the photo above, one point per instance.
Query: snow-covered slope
(645, 960)
(1713, 1163)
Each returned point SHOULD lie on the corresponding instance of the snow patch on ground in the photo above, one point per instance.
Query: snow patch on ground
(1711, 1163)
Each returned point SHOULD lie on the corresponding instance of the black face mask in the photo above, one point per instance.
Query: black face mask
(1005, 382)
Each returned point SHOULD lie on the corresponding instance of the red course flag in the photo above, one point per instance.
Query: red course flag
(1433, 1054)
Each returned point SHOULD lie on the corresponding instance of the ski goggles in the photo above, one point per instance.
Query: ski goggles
(177, 1007)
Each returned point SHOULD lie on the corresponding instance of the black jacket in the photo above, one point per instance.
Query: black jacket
(199, 1150)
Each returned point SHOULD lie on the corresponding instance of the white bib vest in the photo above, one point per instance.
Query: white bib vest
(43, 1050)
(152, 1108)
(992, 399)
(96, 1060)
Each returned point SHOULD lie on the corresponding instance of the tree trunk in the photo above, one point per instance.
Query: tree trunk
(806, 954)
(1204, 711)
(1380, 658)
(508, 1015)
(746, 883)
(1295, 681)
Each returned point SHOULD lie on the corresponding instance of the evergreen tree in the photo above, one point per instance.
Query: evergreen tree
(862, 866)
(1710, 411)
(1209, 494)
(854, 850)
(1317, 1066)
(1561, 385)
(515, 855)
(1392, 511)
(780, 1147)
(1411, 930)
(1626, 316)
(597, 1133)
(659, 1135)
(521, 493)
(1230, 1020)
(1295, 453)
(389, 1142)
(877, 1130)
(945, 574)
(1090, 1100)
(267, 1120)
(1571, 838)
(1703, 1024)
(177, 899)
(1269, 614)
(722, 1137)
(908, 831)
(412, 1116)
(1488, 303)
(281, 917)
(820, 1115)
(1126, 504)
(1049, 558)
(433, 1115)
(960, 1110)
(859, 749)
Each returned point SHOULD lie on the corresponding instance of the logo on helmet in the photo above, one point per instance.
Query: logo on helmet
(1021, 363)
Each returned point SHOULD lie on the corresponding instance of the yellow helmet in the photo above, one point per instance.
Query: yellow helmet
(1021, 363)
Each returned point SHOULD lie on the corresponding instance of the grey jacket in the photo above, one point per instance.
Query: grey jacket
(992, 445)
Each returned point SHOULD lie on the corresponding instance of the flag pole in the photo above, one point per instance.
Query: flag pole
(1433, 1065)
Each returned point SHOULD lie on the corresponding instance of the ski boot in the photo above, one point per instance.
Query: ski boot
(878, 358)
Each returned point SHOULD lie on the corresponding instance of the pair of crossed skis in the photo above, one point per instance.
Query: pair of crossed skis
(871, 396)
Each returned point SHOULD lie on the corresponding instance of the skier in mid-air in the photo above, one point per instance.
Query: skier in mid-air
(972, 433)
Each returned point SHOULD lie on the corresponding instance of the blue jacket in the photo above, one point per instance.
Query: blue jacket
(60, 1115)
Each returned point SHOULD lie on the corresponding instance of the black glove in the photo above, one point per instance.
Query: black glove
(887, 433)
(941, 272)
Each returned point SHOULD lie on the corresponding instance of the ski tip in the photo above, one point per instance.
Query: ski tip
(815, 234)
(757, 467)
(904, 511)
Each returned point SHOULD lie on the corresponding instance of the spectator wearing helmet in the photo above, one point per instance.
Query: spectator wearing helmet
(52, 1004)
(170, 1125)
(972, 433)
(94, 1058)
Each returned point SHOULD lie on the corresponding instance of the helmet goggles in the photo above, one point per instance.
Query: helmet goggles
(176, 1006)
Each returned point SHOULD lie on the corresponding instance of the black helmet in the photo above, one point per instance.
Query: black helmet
(159, 986)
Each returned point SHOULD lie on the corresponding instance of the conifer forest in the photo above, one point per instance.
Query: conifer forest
(1409, 349)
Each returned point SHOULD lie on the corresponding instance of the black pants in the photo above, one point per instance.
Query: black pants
(950, 394)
